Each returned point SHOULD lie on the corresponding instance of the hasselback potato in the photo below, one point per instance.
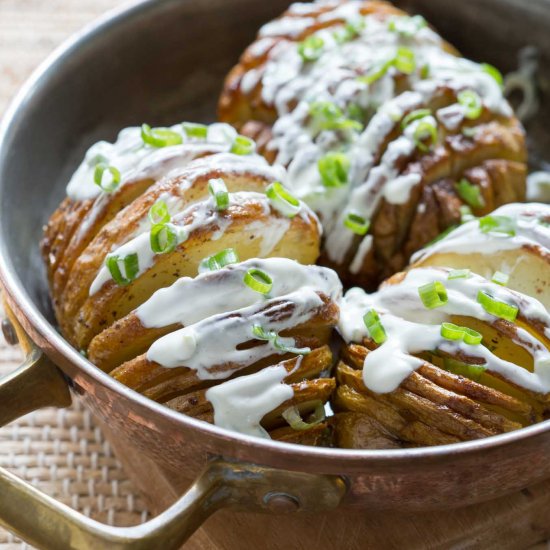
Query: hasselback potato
(385, 130)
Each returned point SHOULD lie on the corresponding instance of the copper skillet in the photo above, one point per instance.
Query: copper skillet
(164, 60)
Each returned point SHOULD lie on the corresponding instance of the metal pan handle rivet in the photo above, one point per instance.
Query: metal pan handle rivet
(281, 503)
(9, 332)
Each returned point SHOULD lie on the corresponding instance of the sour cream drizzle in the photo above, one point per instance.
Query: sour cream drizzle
(291, 85)
(412, 329)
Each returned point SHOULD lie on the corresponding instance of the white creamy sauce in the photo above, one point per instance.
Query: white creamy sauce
(136, 160)
(468, 238)
(538, 187)
(240, 404)
(292, 85)
(411, 328)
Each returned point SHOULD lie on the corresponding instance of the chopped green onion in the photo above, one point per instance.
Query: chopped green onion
(282, 200)
(459, 274)
(159, 137)
(163, 238)
(433, 294)
(407, 26)
(425, 71)
(415, 115)
(218, 191)
(258, 280)
(282, 344)
(294, 418)
(357, 224)
(450, 331)
(192, 130)
(219, 260)
(473, 106)
(496, 307)
(107, 186)
(328, 116)
(334, 168)
(425, 130)
(131, 268)
(404, 61)
(493, 72)
(356, 112)
(351, 30)
(470, 193)
(500, 278)
(374, 326)
(158, 213)
(311, 48)
(243, 146)
(376, 72)
(466, 214)
(498, 226)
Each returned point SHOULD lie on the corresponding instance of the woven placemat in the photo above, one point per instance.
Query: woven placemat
(61, 452)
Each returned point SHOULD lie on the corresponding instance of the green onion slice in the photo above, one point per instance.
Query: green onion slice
(328, 116)
(163, 238)
(493, 72)
(311, 48)
(357, 224)
(500, 278)
(282, 344)
(219, 260)
(258, 280)
(426, 131)
(243, 146)
(415, 115)
(160, 137)
(470, 193)
(112, 183)
(374, 326)
(425, 71)
(498, 226)
(376, 72)
(158, 213)
(131, 268)
(197, 131)
(351, 30)
(282, 200)
(471, 101)
(294, 418)
(459, 274)
(450, 331)
(496, 307)
(433, 294)
(407, 26)
(218, 191)
(404, 61)
(334, 169)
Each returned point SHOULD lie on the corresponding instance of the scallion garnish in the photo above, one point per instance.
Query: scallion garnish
(425, 71)
(493, 72)
(334, 168)
(415, 115)
(311, 48)
(111, 183)
(243, 146)
(163, 238)
(498, 226)
(282, 344)
(159, 137)
(374, 326)
(404, 61)
(500, 278)
(425, 135)
(466, 214)
(294, 418)
(219, 260)
(351, 30)
(433, 294)
(158, 213)
(459, 274)
(326, 115)
(496, 307)
(218, 191)
(357, 224)
(130, 264)
(407, 26)
(470, 193)
(197, 131)
(258, 280)
(472, 104)
(282, 200)
(450, 331)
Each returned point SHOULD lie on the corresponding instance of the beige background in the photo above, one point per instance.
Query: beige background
(61, 452)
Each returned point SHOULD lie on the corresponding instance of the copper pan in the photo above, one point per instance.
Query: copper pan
(164, 60)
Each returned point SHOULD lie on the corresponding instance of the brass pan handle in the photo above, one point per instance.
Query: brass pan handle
(46, 523)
